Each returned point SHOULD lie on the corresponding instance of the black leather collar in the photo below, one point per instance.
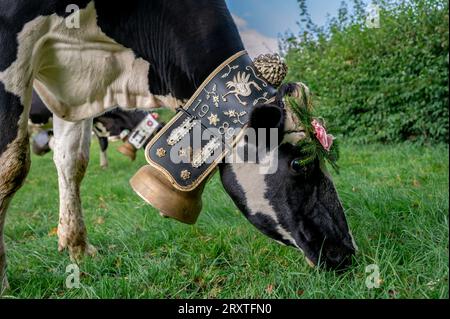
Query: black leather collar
(218, 110)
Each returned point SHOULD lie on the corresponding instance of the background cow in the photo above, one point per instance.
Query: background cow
(111, 124)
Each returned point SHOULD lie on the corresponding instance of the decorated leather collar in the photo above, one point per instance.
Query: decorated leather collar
(219, 108)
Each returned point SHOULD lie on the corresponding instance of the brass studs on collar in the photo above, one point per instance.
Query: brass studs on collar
(185, 174)
(160, 152)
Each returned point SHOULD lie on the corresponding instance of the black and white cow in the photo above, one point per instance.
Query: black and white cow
(148, 54)
(110, 124)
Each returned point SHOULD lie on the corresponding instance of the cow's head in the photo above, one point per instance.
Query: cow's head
(297, 204)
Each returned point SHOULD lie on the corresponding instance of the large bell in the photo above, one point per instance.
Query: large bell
(153, 187)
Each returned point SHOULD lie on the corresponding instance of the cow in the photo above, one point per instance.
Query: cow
(84, 57)
(111, 124)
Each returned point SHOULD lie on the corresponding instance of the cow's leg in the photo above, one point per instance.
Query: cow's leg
(14, 160)
(103, 142)
(71, 157)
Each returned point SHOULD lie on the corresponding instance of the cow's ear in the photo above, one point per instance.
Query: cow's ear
(268, 116)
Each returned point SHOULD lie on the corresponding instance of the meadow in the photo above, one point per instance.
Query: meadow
(396, 201)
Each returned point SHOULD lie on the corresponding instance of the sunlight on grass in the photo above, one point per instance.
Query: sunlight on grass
(396, 198)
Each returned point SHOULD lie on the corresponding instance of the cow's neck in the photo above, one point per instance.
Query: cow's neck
(184, 41)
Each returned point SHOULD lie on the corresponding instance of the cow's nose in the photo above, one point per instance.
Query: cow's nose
(339, 258)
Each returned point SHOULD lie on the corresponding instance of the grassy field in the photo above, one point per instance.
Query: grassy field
(396, 198)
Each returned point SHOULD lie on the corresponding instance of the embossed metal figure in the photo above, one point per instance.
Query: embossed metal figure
(241, 87)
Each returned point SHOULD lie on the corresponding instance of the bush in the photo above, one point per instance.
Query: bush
(386, 84)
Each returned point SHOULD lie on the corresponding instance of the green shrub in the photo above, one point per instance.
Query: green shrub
(386, 84)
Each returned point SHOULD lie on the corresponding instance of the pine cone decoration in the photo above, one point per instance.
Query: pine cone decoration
(271, 68)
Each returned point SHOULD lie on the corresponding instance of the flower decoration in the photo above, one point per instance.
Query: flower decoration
(318, 143)
(321, 134)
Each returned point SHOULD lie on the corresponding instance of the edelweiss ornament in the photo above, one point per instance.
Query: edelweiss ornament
(213, 119)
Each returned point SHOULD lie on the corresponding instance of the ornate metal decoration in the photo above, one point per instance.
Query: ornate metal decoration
(185, 174)
(213, 94)
(240, 86)
(249, 68)
(213, 119)
(236, 116)
(230, 69)
(201, 157)
(214, 113)
(161, 152)
(262, 99)
(181, 131)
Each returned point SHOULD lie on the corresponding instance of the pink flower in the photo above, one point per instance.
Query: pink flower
(321, 134)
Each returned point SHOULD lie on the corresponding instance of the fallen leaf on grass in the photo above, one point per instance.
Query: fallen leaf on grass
(393, 293)
(269, 289)
(53, 232)
(102, 203)
(118, 263)
(100, 220)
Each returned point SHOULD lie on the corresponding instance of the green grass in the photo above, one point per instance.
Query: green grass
(396, 198)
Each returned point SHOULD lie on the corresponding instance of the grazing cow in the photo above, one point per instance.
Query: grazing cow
(147, 54)
(112, 123)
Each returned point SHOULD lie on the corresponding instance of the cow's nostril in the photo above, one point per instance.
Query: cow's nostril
(333, 255)
(338, 260)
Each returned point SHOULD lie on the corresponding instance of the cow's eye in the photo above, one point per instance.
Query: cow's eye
(298, 166)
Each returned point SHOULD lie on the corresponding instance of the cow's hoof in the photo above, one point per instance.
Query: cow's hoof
(91, 251)
(77, 253)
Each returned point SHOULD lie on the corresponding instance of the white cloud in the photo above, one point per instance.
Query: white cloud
(255, 42)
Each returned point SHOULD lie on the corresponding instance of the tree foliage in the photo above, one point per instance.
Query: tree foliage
(386, 84)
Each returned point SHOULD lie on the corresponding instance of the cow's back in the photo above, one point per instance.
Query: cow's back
(78, 70)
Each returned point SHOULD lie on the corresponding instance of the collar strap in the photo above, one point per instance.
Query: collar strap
(221, 106)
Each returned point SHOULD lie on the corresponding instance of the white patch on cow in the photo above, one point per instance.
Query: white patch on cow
(71, 157)
(252, 181)
(100, 130)
(103, 159)
(291, 121)
(79, 72)
(293, 138)
(51, 143)
(353, 241)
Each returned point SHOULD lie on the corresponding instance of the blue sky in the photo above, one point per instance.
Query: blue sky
(260, 22)
(272, 17)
